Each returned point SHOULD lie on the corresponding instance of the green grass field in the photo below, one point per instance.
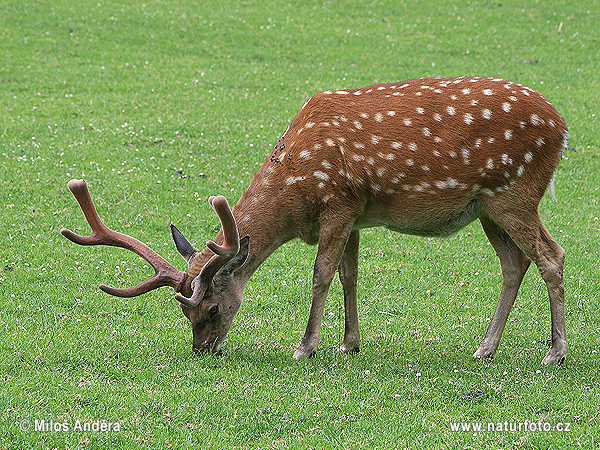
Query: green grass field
(159, 105)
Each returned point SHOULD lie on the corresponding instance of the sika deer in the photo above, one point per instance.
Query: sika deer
(423, 157)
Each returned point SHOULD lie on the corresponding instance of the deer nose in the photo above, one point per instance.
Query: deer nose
(207, 347)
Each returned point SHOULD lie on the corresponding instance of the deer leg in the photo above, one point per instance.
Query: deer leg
(550, 262)
(332, 241)
(348, 270)
(514, 264)
(549, 257)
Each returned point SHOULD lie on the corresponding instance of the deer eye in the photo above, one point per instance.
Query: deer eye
(214, 310)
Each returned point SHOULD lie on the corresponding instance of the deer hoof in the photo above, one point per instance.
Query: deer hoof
(350, 348)
(304, 353)
(554, 357)
(484, 353)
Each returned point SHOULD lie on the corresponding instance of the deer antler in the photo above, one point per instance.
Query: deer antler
(223, 253)
(165, 273)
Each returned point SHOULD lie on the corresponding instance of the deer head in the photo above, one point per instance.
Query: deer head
(207, 296)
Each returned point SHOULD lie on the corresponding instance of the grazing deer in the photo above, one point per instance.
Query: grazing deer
(423, 157)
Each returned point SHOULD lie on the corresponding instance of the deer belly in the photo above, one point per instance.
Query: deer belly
(433, 223)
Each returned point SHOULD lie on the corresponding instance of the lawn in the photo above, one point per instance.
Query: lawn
(160, 104)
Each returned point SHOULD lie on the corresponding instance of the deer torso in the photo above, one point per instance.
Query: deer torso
(414, 156)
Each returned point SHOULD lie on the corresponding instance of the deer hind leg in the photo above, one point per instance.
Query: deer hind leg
(332, 242)
(348, 270)
(514, 264)
(536, 242)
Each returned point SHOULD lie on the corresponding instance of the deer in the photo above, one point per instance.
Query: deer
(422, 157)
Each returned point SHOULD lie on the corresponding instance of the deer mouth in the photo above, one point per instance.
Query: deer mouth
(215, 346)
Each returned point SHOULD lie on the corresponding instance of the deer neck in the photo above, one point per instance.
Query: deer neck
(256, 216)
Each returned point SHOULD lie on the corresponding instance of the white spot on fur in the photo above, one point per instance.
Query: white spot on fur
(506, 160)
(309, 125)
(326, 164)
(410, 162)
(380, 171)
(465, 155)
(375, 139)
(468, 118)
(451, 110)
(358, 158)
(330, 142)
(437, 117)
(358, 125)
(506, 107)
(407, 122)
(535, 120)
(292, 180)
(528, 157)
(426, 132)
(327, 197)
(396, 145)
(305, 154)
(391, 113)
(520, 171)
(466, 91)
(420, 110)
(508, 134)
(388, 156)
(359, 145)
(489, 164)
(379, 117)
(412, 146)
(487, 92)
(321, 175)
(540, 142)
(487, 114)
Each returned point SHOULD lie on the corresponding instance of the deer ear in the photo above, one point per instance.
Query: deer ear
(183, 246)
(238, 260)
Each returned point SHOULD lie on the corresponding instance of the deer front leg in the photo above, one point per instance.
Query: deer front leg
(348, 271)
(332, 241)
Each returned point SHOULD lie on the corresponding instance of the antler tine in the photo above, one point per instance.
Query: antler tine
(165, 273)
(230, 232)
(223, 253)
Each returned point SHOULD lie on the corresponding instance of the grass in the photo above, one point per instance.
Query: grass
(161, 104)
